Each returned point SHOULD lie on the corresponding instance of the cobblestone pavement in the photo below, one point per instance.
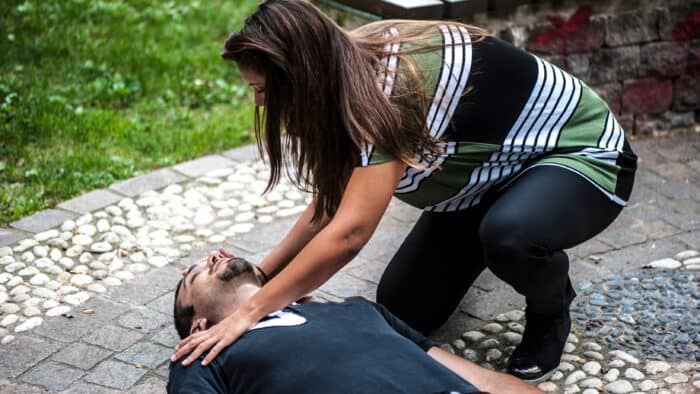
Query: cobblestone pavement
(86, 288)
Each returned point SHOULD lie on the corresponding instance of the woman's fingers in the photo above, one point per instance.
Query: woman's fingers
(203, 347)
(187, 344)
(222, 343)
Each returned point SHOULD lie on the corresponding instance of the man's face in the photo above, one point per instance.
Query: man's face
(210, 283)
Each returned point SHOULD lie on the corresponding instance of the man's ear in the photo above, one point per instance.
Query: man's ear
(198, 325)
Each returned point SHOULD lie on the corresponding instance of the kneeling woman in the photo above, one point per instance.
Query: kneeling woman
(511, 159)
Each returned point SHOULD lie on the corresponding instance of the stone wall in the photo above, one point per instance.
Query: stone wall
(642, 57)
(644, 62)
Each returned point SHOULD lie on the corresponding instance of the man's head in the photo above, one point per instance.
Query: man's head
(210, 290)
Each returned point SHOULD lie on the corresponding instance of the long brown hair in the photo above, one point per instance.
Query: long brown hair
(321, 89)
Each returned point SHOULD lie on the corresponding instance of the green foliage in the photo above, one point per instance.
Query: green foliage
(96, 91)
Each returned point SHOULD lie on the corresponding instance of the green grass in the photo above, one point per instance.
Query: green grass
(96, 91)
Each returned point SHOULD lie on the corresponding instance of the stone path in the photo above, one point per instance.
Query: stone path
(86, 289)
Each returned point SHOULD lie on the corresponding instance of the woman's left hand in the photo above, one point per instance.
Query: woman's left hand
(219, 336)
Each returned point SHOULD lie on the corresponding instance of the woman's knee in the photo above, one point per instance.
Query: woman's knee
(501, 240)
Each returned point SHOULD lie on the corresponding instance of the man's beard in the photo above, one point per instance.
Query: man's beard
(235, 267)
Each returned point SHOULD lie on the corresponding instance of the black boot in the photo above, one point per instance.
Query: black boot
(537, 356)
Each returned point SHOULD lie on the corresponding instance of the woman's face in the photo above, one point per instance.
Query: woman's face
(256, 81)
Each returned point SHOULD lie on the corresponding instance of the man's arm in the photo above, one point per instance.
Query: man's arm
(482, 378)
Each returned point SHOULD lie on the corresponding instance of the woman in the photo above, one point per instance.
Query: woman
(511, 159)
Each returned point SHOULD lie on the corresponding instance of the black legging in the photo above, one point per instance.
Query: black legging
(518, 233)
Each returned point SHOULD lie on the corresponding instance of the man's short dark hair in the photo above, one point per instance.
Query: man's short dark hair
(183, 314)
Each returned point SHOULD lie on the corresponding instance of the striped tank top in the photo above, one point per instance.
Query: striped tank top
(499, 111)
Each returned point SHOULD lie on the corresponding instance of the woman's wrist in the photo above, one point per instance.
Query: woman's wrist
(261, 275)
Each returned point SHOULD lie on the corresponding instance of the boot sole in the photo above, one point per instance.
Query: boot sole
(541, 378)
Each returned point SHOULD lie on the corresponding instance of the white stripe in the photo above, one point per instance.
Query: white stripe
(457, 82)
(554, 136)
(612, 142)
(460, 78)
(537, 109)
(608, 130)
(387, 75)
(530, 102)
(621, 136)
(531, 141)
(563, 100)
(440, 91)
(608, 157)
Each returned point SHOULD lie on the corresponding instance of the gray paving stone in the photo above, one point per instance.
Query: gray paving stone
(645, 213)
(145, 354)
(458, 323)
(201, 166)
(621, 237)
(321, 296)
(12, 388)
(691, 239)
(369, 270)
(585, 269)
(151, 181)
(633, 257)
(26, 352)
(87, 388)
(401, 211)
(164, 303)
(112, 337)
(10, 236)
(139, 293)
(686, 207)
(151, 385)
(686, 222)
(673, 171)
(644, 177)
(680, 190)
(694, 164)
(144, 319)
(167, 337)
(115, 374)
(342, 285)
(91, 201)
(164, 277)
(52, 375)
(69, 329)
(264, 238)
(243, 153)
(590, 247)
(645, 194)
(386, 240)
(44, 220)
(485, 305)
(81, 355)
(164, 370)
(488, 281)
(657, 229)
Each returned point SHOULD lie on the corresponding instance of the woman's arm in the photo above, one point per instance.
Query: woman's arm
(364, 201)
(482, 378)
(298, 236)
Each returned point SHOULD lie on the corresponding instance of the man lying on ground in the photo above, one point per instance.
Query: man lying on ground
(354, 346)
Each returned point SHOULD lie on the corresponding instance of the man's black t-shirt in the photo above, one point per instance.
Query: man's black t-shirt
(350, 347)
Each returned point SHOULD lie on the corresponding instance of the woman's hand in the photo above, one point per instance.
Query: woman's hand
(219, 336)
